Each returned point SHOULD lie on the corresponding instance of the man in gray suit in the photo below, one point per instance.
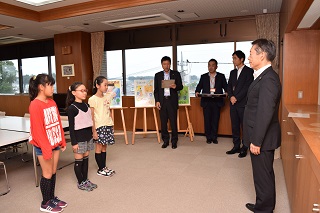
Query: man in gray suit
(261, 128)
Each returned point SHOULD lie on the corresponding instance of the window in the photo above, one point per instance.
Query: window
(193, 61)
(114, 65)
(31, 67)
(245, 47)
(144, 64)
(9, 77)
(54, 72)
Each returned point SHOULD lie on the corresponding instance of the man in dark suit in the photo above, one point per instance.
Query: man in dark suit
(261, 128)
(167, 101)
(238, 84)
(211, 82)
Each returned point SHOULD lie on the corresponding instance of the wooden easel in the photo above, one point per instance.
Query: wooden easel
(189, 131)
(123, 123)
(145, 130)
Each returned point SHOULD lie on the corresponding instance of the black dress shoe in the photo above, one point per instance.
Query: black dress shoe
(164, 145)
(209, 141)
(174, 146)
(250, 206)
(243, 153)
(215, 141)
(233, 151)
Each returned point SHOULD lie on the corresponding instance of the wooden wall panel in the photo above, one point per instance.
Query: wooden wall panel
(80, 56)
(301, 67)
(15, 105)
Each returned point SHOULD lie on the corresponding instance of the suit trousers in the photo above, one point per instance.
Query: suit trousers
(211, 115)
(264, 181)
(167, 111)
(236, 114)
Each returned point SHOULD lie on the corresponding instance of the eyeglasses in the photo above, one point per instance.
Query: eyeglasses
(82, 90)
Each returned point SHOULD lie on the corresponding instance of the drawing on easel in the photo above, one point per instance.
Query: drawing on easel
(184, 97)
(114, 88)
(143, 93)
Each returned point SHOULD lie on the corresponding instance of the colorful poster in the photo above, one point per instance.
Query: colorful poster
(143, 93)
(184, 97)
(114, 87)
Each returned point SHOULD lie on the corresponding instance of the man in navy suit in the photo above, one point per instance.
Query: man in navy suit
(211, 82)
(167, 101)
(238, 84)
(261, 127)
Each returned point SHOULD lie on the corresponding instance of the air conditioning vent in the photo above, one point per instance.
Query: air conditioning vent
(13, 39)
(140, 21)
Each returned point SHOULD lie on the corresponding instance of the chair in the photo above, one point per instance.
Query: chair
(26, 115)
(5, 173)
(2, 113)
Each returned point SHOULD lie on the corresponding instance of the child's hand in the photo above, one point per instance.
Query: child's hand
(75, 148)
(95, 135)
(63, 148)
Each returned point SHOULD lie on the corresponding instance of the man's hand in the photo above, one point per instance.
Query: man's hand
(233, 100)
(197, 94)
(254, 149)
(158, 105)
(173, 86)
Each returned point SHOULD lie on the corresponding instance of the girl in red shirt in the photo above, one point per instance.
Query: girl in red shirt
(47, 137)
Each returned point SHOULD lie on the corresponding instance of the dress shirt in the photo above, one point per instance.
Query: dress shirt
(239, 71)
(166, 77)
(256, 73)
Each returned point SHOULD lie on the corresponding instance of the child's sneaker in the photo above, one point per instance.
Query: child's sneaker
(104, 173)
(84, 186)
(59, 202)
(50, 207)
(109, 170)
(92, 185)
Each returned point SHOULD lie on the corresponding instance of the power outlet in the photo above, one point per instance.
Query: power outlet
(300, 94)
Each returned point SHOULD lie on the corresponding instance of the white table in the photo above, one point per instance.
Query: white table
(16, 129)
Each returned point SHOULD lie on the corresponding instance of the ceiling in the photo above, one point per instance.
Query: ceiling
(43, 22)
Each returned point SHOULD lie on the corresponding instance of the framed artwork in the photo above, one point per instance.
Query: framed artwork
(67, 70)
(184, 98)
(115, 89)
(143, 93)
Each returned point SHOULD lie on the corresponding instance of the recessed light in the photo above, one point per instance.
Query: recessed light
(180, 11)
(38, 2)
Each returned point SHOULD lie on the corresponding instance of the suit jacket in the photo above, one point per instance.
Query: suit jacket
(204, 86)
(260, 123)
(238, 87)
(159, 92)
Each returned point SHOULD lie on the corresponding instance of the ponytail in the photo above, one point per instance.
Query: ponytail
(96, 82)
(35, 81)
(70, 97)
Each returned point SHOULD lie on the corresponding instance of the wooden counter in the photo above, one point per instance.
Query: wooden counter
(301, 157)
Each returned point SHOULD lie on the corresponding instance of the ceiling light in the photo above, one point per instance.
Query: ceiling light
(38, 2)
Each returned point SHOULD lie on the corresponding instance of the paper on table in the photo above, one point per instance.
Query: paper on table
(167, 83)
(298, 115)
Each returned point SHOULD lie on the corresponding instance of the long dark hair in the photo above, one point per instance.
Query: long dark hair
(35, 81)
(70, 97)
(96, 82)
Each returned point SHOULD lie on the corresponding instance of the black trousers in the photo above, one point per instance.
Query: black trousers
(264, 181)
(211, 115)
(236, 115)
(167, 111)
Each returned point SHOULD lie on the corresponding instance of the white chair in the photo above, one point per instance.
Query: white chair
(7, 181)
(2, 113)
(66, 133)
(26, 115)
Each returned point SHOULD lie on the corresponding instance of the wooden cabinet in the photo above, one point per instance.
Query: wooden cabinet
(301, 168)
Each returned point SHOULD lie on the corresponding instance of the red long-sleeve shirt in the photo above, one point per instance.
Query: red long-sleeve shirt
(46, 130)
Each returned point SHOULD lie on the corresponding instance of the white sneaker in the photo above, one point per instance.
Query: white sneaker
(104, 173)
